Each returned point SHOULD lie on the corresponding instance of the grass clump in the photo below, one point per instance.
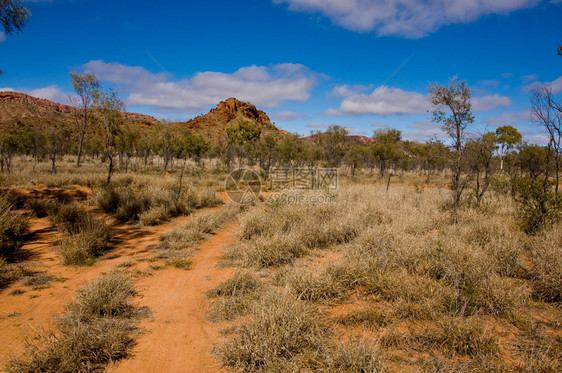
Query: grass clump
(234, 297)
(307, 286)
(37, 280)
(281, 331)
(284, 233)
(13, 228)
(97, 329)
(461, 337)
(107, 296)
(201, 227)
(242, 283)
(85, 240)
(546, 256)
(77, 347)
(180, 263)
(355, 356)
(370, 318)
(10, 273)
(151, 202)
(42, 207)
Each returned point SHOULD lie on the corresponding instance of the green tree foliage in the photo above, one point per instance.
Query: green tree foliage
(385, 148)
(194, 146)
(507, 138)
(166, 142)
(292, 151)
(13, 16)
(88, 88)
(267, 150)
(56, 144)
(334, 144)
(357, 156)
(478, 156)
(8, 148)
(453, 110)
(110, 108)
(126, 144)
(242, 139)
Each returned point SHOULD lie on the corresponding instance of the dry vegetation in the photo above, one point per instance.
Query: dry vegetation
(376, 281)
(97, 329)
(476, 296)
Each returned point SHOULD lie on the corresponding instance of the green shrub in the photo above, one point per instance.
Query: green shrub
(537, 208)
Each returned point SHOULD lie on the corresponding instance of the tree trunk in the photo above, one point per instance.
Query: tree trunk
(82, 134)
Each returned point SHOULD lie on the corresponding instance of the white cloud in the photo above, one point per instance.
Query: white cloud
(382, 101)
(529, 78)
(423, 131)
(523, 117)
(321, 125)
(288, 116)
(409, 18)
(2, 37)
(507, 75)
(490, 102)
(264, 86)
(378, 125)
(555, 85)
(51, 93)
(494, 83)
(388, 101)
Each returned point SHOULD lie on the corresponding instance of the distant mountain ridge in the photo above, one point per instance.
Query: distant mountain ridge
(19, 110)
(21, 105)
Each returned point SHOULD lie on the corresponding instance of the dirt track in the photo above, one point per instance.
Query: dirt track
(178, 338)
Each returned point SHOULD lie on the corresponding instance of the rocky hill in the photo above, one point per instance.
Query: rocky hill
(19, 110)
(228, 113)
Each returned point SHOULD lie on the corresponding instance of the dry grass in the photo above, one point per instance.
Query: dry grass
(85, 239)
(13, 228)
(355, 356)
(368, 318)
(234, 297)
(434, 291)
(546, 256)
(97, 329)
(201, 227)
(107, 296)
(281, 331)
(461, 337)
(151, 200)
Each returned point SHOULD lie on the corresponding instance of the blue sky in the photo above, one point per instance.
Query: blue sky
(363, 64)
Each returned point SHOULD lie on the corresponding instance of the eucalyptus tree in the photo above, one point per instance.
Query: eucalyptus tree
(88, 88)
(453, 110)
